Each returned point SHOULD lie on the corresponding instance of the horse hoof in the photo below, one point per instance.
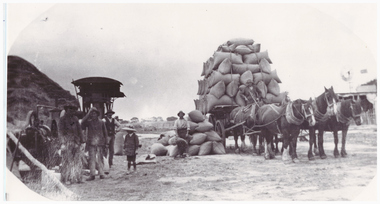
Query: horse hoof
(344, 155)
(312, 158)
(267, 157)
(323, 156)
(237, 151)
(254, 154)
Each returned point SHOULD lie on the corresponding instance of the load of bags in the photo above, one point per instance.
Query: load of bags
(204, 140)
(232, 65)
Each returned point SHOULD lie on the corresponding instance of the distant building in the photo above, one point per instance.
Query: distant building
(134, 120)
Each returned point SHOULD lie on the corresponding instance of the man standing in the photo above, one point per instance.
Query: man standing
(71, 138)
(96, 141)
(111, 124)
(182, 128)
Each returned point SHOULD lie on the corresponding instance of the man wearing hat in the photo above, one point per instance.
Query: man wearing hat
(182, 128)
(111, 124)
(131, 144)
(96, 141)
(71, 138)
(250, 93)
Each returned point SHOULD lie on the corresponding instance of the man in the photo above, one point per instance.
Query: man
(131, 144)
(250, 93)
(182, 128)
(71, 138)
(111, 124)
(96, 141)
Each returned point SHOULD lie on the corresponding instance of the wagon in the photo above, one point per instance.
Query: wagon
(219, 116)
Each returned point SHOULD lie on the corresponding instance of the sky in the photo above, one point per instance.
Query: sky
(157, 51)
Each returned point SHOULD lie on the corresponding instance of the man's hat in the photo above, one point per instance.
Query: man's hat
(181, 112)
(96, 110)
(129, 128)
(110, 111)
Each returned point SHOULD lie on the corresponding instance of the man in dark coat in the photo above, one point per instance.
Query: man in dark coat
(111, 125)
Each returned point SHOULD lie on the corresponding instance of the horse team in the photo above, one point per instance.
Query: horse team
(325, 113)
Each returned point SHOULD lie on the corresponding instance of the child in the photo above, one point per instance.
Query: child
(131, 143)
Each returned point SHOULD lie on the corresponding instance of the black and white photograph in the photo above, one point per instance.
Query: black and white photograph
(190, 101)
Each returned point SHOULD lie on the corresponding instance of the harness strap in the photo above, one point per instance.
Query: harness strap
(318, 115)
(339, 115)
(290, 115)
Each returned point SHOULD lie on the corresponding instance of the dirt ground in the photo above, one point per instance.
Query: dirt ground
(242, 177)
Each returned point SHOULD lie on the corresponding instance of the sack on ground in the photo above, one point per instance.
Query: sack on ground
(218, 148)
(158, 149)
(205, 148)
(193, 150)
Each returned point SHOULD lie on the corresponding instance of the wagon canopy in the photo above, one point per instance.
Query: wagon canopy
(88, 86)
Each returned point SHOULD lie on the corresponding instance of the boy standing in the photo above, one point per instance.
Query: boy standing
(131, 143)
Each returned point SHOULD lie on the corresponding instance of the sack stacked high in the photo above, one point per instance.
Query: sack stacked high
(232, 64)
(204, 140)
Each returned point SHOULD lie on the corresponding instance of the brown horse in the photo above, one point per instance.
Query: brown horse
(346, 110)
(324, 107)
(285, 120)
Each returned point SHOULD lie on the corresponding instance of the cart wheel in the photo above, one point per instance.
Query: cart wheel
(219, 128)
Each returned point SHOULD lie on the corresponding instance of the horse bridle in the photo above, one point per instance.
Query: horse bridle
(329, 105)
(352, 111)
(304, 115)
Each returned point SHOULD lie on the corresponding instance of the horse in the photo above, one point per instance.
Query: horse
(347, 109)
(324, 107)
(241, 115)
(284, 119)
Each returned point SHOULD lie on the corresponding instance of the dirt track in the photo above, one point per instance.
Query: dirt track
(243, 177)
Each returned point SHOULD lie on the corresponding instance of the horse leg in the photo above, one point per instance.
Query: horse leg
(320, 144)
(254, 142)
(311, 143)
(266, 149)
(243, 145)
(344, 135)
(277, 151)
(294, 144)
(285, 155)
(236, 137)
(336, 141)
(271, 153)
(261, 142)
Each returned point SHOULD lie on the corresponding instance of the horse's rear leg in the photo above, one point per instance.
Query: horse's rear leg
(320, 144)
(261, 144)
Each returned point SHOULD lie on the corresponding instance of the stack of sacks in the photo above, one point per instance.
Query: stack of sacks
(204, 140)
(232, 65)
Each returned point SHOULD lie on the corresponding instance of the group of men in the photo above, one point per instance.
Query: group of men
(99, 141)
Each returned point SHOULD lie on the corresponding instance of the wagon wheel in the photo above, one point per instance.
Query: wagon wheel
(219, 128)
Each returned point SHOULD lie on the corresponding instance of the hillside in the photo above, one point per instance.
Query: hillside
(28, 87)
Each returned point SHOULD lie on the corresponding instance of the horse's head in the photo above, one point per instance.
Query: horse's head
(356, 110)
(331, 99)
(307, 109)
